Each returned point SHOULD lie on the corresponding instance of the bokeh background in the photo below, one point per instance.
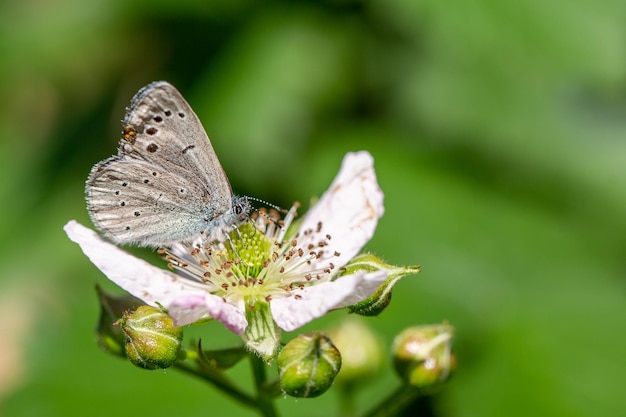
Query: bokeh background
(499, 136)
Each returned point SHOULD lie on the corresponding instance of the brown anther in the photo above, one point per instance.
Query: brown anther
(218, 271)
(311, 246)
(342, 268)
(266, 263)
(308, 277)
(328, 237)
(332, 265)
(161, 251)
(207, 274)
(336, 254)
(327, 270)
(319, 227)
(274, 256)
(204, 262)
(260, 281)
(301, 286)
(225, 286)
(300, 252)
(229, 274)
(169, 257)
(297, 297)
(268, 298)
(282, 269)
(170, 265)
(294, 242)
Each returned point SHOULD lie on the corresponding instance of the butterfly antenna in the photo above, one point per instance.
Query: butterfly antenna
(267, 203)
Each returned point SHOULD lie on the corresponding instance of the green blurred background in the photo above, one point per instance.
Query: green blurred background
(498, 131)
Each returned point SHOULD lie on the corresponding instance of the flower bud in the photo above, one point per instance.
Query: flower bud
(362, 355)
(380, 299)
(422, 355)
(307, 365)
(152, 340)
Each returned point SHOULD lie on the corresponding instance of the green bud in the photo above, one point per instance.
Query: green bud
(362, 354)
(307, 365)
(422, 355)
(152, 340)
(377, 302)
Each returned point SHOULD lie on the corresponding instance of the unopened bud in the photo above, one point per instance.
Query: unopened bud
(379, 300)
(422, 355)
(152, 340)
(307, 365)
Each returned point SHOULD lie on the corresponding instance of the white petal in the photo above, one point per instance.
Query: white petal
(139, 278)
(292, 312)
(348, 211)
(365, 287)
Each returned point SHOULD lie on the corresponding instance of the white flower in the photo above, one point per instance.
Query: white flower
(268, 281)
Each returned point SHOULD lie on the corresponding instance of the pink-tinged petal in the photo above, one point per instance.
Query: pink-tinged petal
(188, 309)
(312, 302)
(232, 317)
(138, 277)
(348, 211)
(191, 308)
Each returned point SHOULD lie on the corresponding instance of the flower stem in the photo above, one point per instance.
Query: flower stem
(218, 380)
(265, 402)
(347, 406)
(396, 402)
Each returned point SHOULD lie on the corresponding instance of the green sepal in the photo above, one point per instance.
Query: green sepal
(110, 337)
(262, 336)
(220, 359)
(377, 302)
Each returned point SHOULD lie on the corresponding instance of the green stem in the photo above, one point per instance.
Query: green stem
(396, 402)
(347, 406)
(218, 380)
(265, 401)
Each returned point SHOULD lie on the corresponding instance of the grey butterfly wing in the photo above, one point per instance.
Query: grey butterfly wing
(164, 144)
(129, 204)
